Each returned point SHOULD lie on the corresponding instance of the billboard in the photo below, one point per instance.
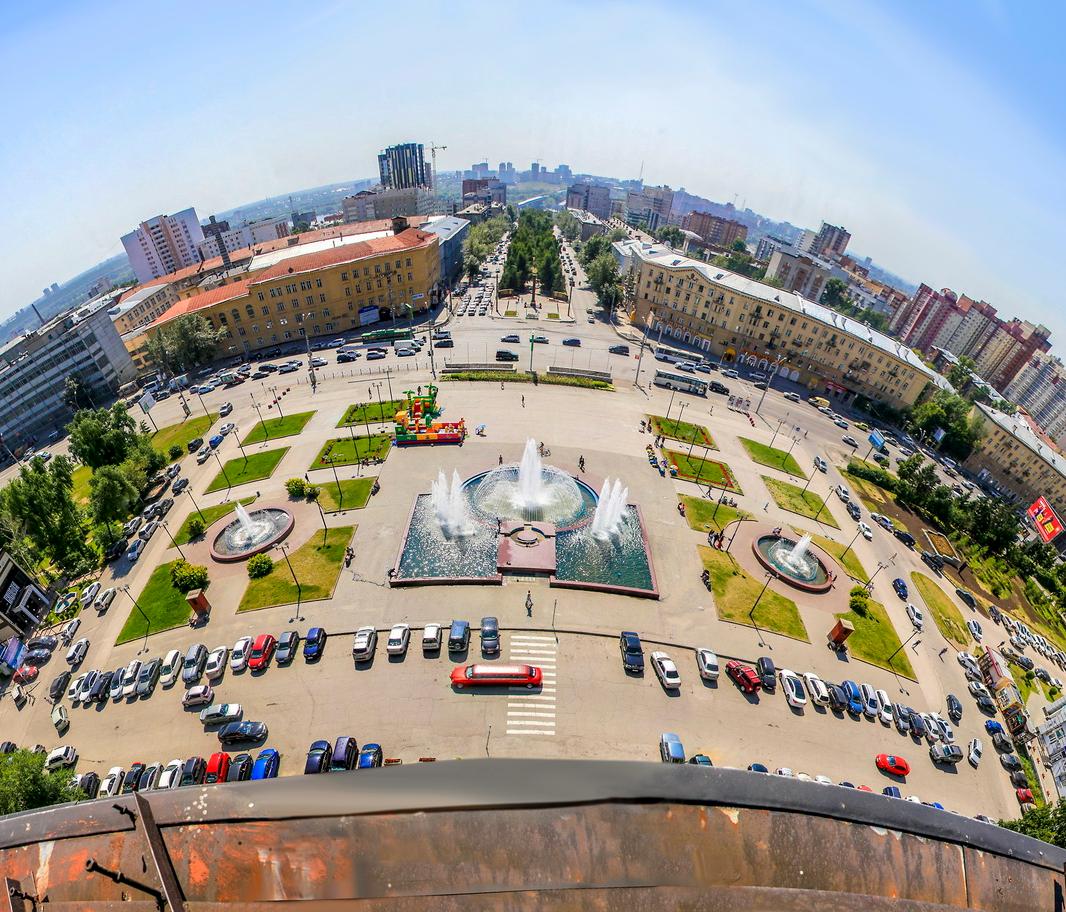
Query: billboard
(876, 439)
(1045, 519)
(146, 402)
(939, 434)
(369, 315)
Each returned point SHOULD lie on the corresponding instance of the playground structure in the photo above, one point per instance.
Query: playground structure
(416, 423)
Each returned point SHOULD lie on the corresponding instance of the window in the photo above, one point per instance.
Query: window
(266, 311)
(318, 283)
(261, 295)
(310, 299)
(322, 299)
(281, 306)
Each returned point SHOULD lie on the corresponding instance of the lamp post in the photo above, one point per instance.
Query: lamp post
(388, 378)
(751, 614)
(237, 437)
(899, 648)
(671, 405)
(780, 421)
(340, 493)
(848, 548)
(229, 486)
(277, 400)
(262, 423)
(321, 513)
(769, 380)
(166, 528)
(189, 492)
(147, 620)
(881, 565)
(299, 589)
(201, 398)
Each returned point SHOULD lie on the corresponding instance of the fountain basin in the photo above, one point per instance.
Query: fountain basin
(238, 540)
(808, 573)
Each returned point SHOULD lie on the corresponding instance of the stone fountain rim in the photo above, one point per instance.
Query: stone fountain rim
(813, 588)
(224, 521)
(558, 528)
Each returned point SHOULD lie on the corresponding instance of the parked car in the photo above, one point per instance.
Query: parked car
(666, 670)
(490, 636)
(671, 750)
(314, 643)
(945, 753)
(632, 652)
(892, 764)
(399, 638)
(914, 613)
(266, 764)
(319, 757)
(707, 664)
(240, 732)
(743, 676)
(793, 689)
(288, 644)
(370, 756)
(900, 588)
(198, 695)
(764, 668)
(221, 714)
(76, 653)
(262, 650)
(364, 644)
(432, 635)
(61, 758)
(147, 678)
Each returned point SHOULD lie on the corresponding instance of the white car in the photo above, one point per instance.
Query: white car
(104, 600)
(115, 690)
(75, 687)
(947, 735)
(225, 409)
(198, 695)
(203, 455)
(804, 776)
(399, 637)
(168, 671)
(89, 594)
(129, 678)
(431, 637)
(784, 771)
(61, 758)
(978, 689)
(226, 428)
(171, 775)
(973, 752)
(112, 782)
(69, 630)
(150, 777)
(915, 615)
(966, 660)
(216, 663)
(76, 653)
(886, 707)
(842, 493)
(932, 730)
(87, 686)
(793, 688)
(871, 706)
(238, 659)
(366, 639)
(667, 671)
(707, 663)
(866, 531)
(823, 780)
(816, 688)
(975, 629)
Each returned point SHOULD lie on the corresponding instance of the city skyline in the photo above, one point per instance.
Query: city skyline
(871, 142)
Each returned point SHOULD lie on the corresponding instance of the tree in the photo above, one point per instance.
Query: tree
(1047, 823)
(950, 413)
(259, 565)
(835, 294)
(960, 371)
(185, 576)
(195, 526)
(568, 224)
(596, 246)
(670, 234)
(102, 436)
(76, 395)
(112, 496)
(24, 784)
(184, 343)
(616, 234)
(603, 278)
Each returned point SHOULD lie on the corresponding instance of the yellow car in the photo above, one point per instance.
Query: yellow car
(862, 425)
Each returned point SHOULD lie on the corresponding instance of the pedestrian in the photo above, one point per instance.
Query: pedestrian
(581, 463)
(523, 400)
(916, 644)
(941, 653)
(766, 507)
(305, 477)
(501, 459)
(529, 603)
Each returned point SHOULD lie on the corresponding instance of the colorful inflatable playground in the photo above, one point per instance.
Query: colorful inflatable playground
(416, 423)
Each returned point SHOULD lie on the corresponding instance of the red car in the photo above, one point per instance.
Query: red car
(743, 676)
(890, 763)
(25, 674)
(497, 676)
(1024, 796)
(262, 650)
(864, 788)
(217, 767)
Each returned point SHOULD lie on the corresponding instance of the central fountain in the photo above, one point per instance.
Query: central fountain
(251, 533)
(530, 491)
(793, 562)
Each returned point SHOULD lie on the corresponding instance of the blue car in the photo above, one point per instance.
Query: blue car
(993, 727)
(369, 756)
(266, 764)
(854, 695)
(215, 441)
(314, 643)
(900, 587)
(891, 791)
(757, 768)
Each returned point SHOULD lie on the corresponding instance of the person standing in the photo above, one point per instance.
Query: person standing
(529, 603)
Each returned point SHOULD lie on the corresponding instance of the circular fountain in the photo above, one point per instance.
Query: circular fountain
(793, 562)
(251, 533)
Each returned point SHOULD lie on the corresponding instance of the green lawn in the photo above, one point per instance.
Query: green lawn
(682, 430)
(211, 514)
(317, 566)
(1030, 771)
(273, 428)
(703, 471)
(850, 561)
(164, 605)
(735, 592)
(355, 491)
(875, 639)
(81, 476)
(1025, 680)
(794, 499)
(947, 616)
(772, 457)
(181, 434)
(240, 471)
(346, 450)
(702, 516)
(363, 412)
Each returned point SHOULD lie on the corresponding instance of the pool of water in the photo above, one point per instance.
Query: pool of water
(428, 552)
(618, 561)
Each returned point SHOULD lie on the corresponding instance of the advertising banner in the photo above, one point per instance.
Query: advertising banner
(1045, 519)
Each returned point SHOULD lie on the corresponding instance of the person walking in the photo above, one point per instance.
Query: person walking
(523, 401)
(529, 603)
(941, 653)
(581, 463)
(501, 459)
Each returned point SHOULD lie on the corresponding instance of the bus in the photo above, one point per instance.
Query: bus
(672, 355)
(386, 335)
(681, 382)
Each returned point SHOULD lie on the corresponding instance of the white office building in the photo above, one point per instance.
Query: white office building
(164, 244)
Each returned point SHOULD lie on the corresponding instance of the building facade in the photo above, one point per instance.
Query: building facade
(799, 272)
(767, 245)
(34, 367)
(715, 230)
(484, 190)
(734, 318)
(451, 232)
(383, 203)
(591, 198)
(403, 166)
(831, 241)
(23, 600)
(1040, 388)
(649, 208)
(1008, 349)
(141, 305)
(229, 240)
(163, 244)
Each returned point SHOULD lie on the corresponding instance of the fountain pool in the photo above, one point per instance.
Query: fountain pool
(251, 533)
(792, 561)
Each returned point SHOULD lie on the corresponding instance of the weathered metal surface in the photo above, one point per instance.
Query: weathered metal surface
(517, 835)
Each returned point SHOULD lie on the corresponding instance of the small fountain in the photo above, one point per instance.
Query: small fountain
(530, 491)
(450, 505)
(792, 561)
(251, 533)
(796, 557)
(610, 509)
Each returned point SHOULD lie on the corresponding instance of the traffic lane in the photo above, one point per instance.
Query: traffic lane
(621, 716)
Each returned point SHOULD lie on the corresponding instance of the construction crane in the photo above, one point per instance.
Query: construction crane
(433, 152)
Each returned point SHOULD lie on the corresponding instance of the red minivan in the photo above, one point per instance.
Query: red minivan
(217, 767)
(497, 676)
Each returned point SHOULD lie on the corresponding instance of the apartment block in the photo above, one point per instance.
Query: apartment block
(386, 203)
(404, 166)
(591, 198)
(802, 273)
(715, 230)
(831, 241)
(220, 238)
(649, 208)
(164, 244)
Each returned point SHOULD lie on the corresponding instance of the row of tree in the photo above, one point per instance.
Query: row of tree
(481, 241)
(835, 294)
(533, 253)
(601, 268)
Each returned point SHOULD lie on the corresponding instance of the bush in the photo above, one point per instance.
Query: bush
(259, 565)
(186, 577)
(296, 487)
(878, 476)
(859, 601)
(176, 451)
(196, 526)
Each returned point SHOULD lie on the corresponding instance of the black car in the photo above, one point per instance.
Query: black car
(318, 759)
(440, 343)
(240, 768)
(954, 708)
(8, 747)
(1010, 762)
(504, 355)
(1025, 662)
(180, 485)
(239, 732)
(58, 687)
(101, 690)
(193, 445)
(853, 510)
(115, 550)
(193, 771)
(288, 643)
(90, 784)
(632, 652)
(345, 754)
(1018, 779)
(838, 700)
(994, 613)
(132, 782)
(934, 561)
(901, 715)
(716, 387)
(985, 704)
(36, 657)
(619, 349)
(966, 598)
(917, 725)
(904, 537)
(764, 668)
(1002, 743)
(43, 642)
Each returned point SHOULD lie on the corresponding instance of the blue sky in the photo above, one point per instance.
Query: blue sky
(934, 132)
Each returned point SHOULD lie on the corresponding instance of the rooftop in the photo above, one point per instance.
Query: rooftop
(138, 294)
(445, 226)
(1021, 430)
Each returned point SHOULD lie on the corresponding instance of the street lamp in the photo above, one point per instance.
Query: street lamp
(769, 380)
(277, 400)
(262, 423)
(852, 542)
(323, 515)
(751, 614)
(340, 493)
(229, 486)
(147, 620)
(189, 492)
(299, 589)
(166, 529)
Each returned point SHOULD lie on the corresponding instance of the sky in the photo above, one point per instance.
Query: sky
(936, 133)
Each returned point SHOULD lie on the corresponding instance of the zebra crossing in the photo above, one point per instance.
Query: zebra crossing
(532, 712)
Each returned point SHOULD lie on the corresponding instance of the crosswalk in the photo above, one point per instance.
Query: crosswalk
(532, 712)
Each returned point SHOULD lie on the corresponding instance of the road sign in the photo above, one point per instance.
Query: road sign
(1045, 519)
(146, 402)
(876, 439)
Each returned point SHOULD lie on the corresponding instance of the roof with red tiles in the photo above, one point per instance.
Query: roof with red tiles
(202, 300)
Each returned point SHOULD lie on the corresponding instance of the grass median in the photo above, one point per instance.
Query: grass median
(850, 560)
(350, 450)
(365, 412)
(352, 494)
(803, 503)
(282, 426)
(772, 457)
(735, 592)
(317, 565)
(210, 515)
(875, 639)
(682, 430)
(181, 434)
(165, 606)
(709, 515)
(240, 471)
(947, 616)
(702, 470)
